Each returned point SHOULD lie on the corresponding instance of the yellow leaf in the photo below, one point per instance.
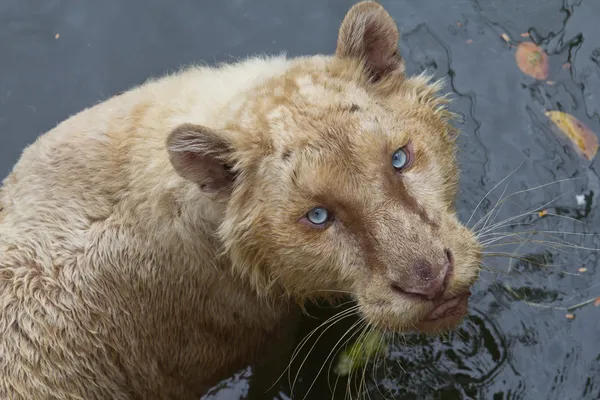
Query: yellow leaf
(532, 60)
(584, 139)
(542, 213)
(360, 353)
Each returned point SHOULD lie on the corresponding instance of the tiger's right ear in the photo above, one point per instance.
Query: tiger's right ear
(202, 155)
(369, 33)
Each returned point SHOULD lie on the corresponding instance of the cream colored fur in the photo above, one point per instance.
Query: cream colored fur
(123, 274)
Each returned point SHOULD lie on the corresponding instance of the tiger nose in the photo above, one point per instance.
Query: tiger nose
(425, 280)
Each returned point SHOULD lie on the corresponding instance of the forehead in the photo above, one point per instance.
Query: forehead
(315, 115)
(311, 106)
(330, 129)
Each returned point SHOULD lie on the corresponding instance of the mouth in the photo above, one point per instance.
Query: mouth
(447, 314)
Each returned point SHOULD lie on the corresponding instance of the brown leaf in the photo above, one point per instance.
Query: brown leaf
(597, 302)
(532, 60)
(584, 139)
(582, 269)
(505, 37)
(525, 34)
(570, 316)
(566, 65)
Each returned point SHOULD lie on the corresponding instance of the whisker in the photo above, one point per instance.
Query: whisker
(364, 326)
(550, 244)
(362, 378)
(516, 257)
(331, 321)
(569, 308)
(523, 191)
(496, 225)
(488, 193)
(359, 342)
(379, 354)
(519, 235)
(499, 202)
(360, 321)
(331, 362)
(535, 231)
(352, 312)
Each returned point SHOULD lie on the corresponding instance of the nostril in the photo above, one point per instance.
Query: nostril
(408, 292)
(430, 291)
(427, 281)
(449, 267)
(449, 256)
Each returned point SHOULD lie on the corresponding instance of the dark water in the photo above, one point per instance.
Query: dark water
(507, 348)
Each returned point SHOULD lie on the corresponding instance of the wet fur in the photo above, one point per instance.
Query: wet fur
(152, 244)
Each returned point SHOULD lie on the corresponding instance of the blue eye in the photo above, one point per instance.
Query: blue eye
(318, 215)
(399, 159)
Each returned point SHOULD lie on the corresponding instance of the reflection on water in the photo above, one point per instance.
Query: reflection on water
(458, 366)
(516, 343)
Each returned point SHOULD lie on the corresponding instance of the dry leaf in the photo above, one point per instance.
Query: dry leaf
(550, 82)
(525, 34)
(597, 302)
(582, 269)
(542, 213)
(505, 37)
(566, 65)
(57, 36)
(469, 41)
(570, 316)
(585, 140)
(532, 60)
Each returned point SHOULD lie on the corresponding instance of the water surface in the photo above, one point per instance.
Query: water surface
(507, 348)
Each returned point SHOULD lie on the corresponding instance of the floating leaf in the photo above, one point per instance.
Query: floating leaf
(597, 302)
(525, 34)
(505, 37)
(582, 269)
(543, 213)
(57, 36)
(360, 353)
(585, 140)
(469, 41)
(566, 65)
(532, 60)
(570, 316)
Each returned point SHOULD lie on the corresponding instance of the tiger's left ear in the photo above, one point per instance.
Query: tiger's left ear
(200, 154)
(370, 34)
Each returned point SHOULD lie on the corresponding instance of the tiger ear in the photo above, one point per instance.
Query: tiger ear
(370, 34)
(200, 154)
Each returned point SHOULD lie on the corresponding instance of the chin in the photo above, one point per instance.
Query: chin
(446, 316)
(428, 317)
